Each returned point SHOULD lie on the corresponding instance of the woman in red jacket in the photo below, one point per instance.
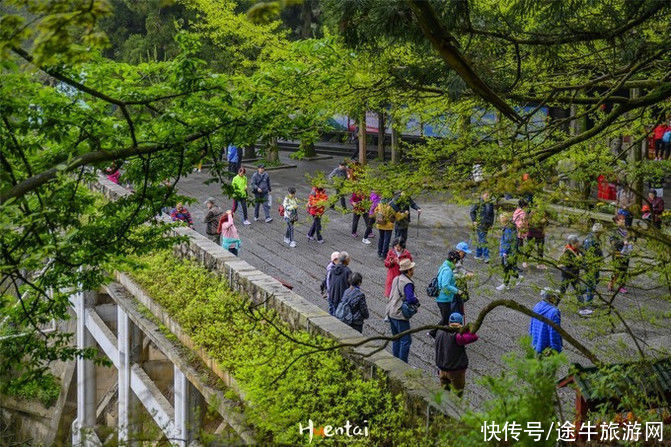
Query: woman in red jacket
(316, 202)
(394, 256)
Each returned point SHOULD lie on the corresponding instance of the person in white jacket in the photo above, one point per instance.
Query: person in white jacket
(290, 205)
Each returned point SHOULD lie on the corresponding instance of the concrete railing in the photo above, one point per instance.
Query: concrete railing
(423, 393)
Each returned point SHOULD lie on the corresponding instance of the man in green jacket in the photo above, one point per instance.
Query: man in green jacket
(239, 185)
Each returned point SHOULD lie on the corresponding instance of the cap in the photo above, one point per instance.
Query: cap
(209, 199)
(463, 246)
(261, 165)
(405, 264)
(456, 318)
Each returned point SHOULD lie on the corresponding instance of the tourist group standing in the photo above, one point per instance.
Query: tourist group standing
(521, 241)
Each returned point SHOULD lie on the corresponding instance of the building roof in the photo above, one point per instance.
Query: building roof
(653, 377)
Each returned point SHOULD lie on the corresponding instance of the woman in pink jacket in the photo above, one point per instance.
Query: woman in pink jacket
(229, 234)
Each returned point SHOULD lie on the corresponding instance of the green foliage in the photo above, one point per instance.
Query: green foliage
(45, 389)
(523, 393)
(256, 346)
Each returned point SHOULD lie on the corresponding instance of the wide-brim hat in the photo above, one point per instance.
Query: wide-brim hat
(405, 264)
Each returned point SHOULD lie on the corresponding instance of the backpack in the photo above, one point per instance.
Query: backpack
(280, 210)
(385, 215)
(667, 136)
(344, 312)
(432, 289)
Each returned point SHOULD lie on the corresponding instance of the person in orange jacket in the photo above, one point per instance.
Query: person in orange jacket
(316, 202)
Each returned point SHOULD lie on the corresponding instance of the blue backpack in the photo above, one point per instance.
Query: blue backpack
(667, 136)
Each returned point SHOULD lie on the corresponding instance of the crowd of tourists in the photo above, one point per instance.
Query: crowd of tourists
(521, 243)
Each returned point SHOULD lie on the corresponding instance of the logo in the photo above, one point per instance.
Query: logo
(329, 431)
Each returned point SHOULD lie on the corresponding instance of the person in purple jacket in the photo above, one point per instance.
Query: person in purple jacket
(544, 336)
(375, 201)
(451, 358)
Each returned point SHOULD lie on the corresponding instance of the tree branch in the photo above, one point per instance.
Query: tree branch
(441, 40)
(38, 180)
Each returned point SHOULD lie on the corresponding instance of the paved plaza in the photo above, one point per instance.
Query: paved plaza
(442, 226)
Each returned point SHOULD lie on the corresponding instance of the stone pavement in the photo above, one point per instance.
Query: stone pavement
(442, 225)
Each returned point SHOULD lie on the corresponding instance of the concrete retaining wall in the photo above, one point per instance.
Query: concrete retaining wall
(423, 392)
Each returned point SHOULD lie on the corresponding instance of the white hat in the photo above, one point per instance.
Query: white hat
(334, 255)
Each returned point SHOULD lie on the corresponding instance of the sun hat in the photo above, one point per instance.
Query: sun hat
(405, 264)
(456, 318)
(463, 246)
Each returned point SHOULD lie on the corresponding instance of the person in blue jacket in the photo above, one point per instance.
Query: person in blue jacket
(448, 300)
(544, 336)
(233, 158)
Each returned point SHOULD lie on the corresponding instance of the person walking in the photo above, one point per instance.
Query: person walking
(656, 208)
(395, 255)
(621, 248)
(229, 234)
(355, 299)
(338, 281)
(325, 283)
(384, 221)
(448, 300)
(359, 210)
(658, 140)
(521, 221)
(261, 188)
(625, 200)
(316, 204)
(374, 202)
(570, 262)
(508, 251)
(290, 205)
(338, 176)
(239, 185)
(181, 214)
(402, 292)
(543, 336)
(593, 262)
(401, 205)
(482, 216)
(212, 219)
(234, 159)
(538, 221)
(451, 358)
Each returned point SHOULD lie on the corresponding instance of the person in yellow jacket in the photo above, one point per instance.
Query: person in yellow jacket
(239, 185)
(385, 216)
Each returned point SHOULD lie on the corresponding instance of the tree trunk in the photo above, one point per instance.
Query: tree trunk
(637, 156)
(249, 152)
(362, 138)
(306, 16)
(380, 136)
(394, 141)
(308, 149)
(272, 151)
